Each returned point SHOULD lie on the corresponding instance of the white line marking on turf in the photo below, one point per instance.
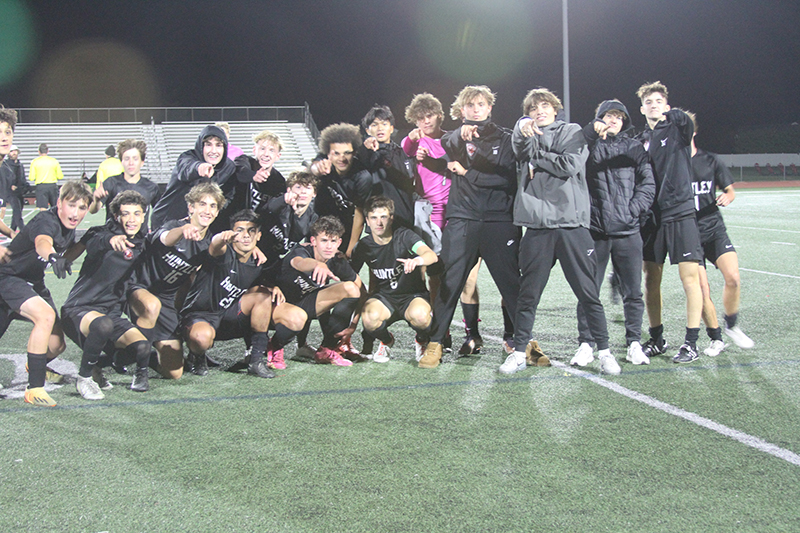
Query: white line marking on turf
(786, 243)
(744, 438)
(769, 273)
(763, 229)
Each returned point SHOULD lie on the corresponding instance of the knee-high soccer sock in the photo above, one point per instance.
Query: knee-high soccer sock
(470, 318)
(423, 334)
(340, 317)
(657, 333)
(730, 320)
(258, 346)
(282, 336)
(382, 333)
(367, 341)
(37, 369)
(138, 351)
(302, 335)
(508, 323)
(715, 334)
(692, 334)
(100, 331)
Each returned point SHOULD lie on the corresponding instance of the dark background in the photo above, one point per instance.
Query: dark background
(735, 63)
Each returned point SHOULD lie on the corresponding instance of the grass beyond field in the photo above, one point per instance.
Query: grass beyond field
(709, 446)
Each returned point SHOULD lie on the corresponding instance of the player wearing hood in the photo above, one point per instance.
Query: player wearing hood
(479, 219)
(622, 188)
(553, 204)
(207, 161)
(671, 226)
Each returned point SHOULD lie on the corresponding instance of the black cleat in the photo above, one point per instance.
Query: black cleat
(652, 348)
(472, 345)
(140, 381)
(686, 354)
(260, 369)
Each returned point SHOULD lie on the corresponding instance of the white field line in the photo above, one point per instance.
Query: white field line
(762, 229)
(769, 273)
(749, 440)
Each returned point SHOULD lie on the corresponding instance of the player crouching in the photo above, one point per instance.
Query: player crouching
(397, 288)
(222, 303)
(92, 314)
(305, 275)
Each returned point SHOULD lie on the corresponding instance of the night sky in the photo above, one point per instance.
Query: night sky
(736, 63)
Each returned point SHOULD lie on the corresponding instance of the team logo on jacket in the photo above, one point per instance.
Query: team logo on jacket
(590, 251)
(127, 253)
(471, 149)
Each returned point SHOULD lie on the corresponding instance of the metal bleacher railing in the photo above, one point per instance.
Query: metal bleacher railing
(77, 137)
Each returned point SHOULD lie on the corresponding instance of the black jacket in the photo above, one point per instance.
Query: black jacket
(172, 205)
(393, 177)
(486, 192)
(619, 176)
(670, 149)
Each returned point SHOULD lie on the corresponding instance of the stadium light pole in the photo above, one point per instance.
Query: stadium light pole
(565, 58)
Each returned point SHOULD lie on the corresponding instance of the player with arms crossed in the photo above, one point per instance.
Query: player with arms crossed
(397, 288)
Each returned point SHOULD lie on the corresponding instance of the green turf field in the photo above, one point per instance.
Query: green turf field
(710, 446)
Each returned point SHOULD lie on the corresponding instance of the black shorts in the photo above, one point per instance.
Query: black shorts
(398, 305)
(46, 195)
(71, 323)
(166, 328)
(16, 291)
(230, 324)
(308, 303)
(715, 242)
(680, 238)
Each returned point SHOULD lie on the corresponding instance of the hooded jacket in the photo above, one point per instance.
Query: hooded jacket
(172, 205)
(551, 189)
(486, 191)
(619, 176)
(670, 149)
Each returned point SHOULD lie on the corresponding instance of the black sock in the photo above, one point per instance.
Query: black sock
(302, 335)
(139, 351)
(730, 320)
(382, 333)
(340, 317)
(258, 347)
(282, 336)
(657, 333)
(715, 334)
(37, 369)
(100, 331)
(423, 335)
(367, 341)
(692, 334)
(471, 319)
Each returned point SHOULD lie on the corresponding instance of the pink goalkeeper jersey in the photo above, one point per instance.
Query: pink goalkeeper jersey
(431, 185)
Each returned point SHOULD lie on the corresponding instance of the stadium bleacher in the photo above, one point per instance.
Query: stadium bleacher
(79, 147)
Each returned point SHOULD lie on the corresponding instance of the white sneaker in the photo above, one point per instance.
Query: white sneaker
(714, 349)
(636, 356)
(609, 365)
(583, 356)
(511, 365)
(739, 338)
(381, 353)
(419, 350)
(89, 389)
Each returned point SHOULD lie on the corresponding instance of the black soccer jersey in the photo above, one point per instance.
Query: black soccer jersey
(709, 173)
(295, 284)
(105, 272)
(164, 268)
(382, 261)
(25, 263)
(221, 282)
(117, 184)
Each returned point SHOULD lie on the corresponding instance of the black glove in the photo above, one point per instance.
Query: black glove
(60, 266)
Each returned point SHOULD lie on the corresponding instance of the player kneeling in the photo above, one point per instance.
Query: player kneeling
(92, 315)
(222, 303)
(397, 288)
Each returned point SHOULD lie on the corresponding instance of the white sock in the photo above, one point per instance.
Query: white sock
(519, 357)
(605, 352)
